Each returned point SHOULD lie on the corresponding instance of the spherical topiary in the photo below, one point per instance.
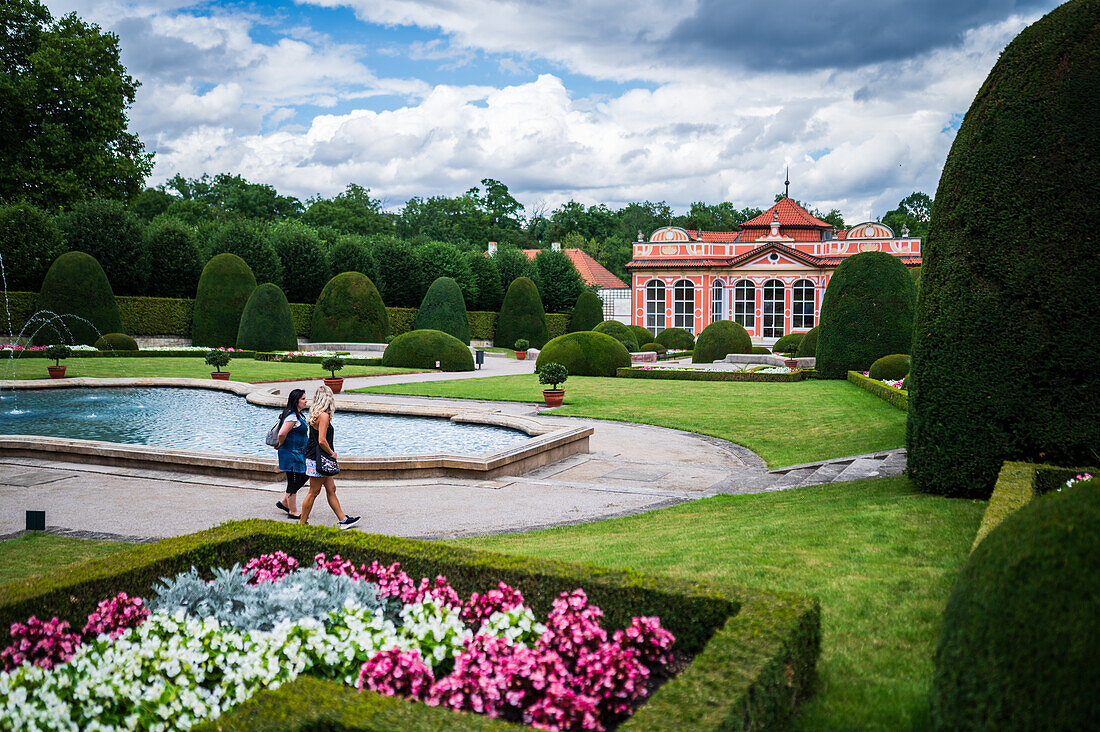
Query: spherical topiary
(349, 310)
(521, 316)
(676, 339)
(890, 368)
(619, 332)
(1021, 630)
(1026, 160)
(788, 343)
(653, 348)
(867, 313)
(116, 342)
(807, 347)
(443, 308)
(422, 349)
(719, 339)
(266, 323)
(585, 353)
(224, 287)
(587, 313)
(761, 350)
(642, 335)
(76, 289)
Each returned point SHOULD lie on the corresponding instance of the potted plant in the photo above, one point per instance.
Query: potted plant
(553, 374)
(332, 364)
(219, 359)
(57, 352)
(521, 348)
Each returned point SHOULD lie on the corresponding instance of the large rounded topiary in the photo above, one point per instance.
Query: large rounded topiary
(224, 287)
(890, 368)
(443, 308)
(1021, 631)
(719, 339)
(867, 313)
(676, 339)
(111, 342)
(1012, 248)
(266, 323)
(422, 349)
(642, 335)
(585, 353)
(587, 313)
(619, 332)
(521, 316)
(349, 310)
(807, 347)
(76, 289)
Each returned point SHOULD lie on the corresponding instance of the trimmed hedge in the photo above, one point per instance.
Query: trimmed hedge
(710, 375)
(266, 323)
(754, 651)
(76, 285)
(349, 310)
(1026, 160)
(807, 347)
(866, 313)
(420, 349)
(1017, 649)
(620, 332)
(587, 313)
(443, 308)
(224, 288)
(521, 316)
(302, 312)
(116, 342)
(149, 316)
(482, 324)
(585, 353)
(402, 320)
(720, 339)
(676, 339)
(897, 397)
(892, 367)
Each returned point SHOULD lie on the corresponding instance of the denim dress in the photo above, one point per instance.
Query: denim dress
(292, 457)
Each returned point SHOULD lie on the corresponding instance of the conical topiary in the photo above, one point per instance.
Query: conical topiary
(1012, 249)
(349, 310)
(266, 323)
(225, 285)
(587, 313)
(75, 288)
(521, 316)
(443, 308)
(867, 313)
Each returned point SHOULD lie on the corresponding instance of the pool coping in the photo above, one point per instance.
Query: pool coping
(549, 443)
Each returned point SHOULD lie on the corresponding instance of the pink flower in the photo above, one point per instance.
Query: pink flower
(336, 565)
(269, 567)
(651, 642)
(479, 607)
(42, 644)
(394, 672)
(113, 616)
(393, 582)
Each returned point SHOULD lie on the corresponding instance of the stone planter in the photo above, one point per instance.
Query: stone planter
(553, 397)
(521, 355)
(220, 375)
(336, 384)
(56, 372)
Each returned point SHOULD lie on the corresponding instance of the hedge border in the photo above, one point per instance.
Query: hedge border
(632, 372)
(755, 651)
(897, 397)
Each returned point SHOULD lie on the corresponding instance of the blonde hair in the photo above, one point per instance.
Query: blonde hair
(322, 403)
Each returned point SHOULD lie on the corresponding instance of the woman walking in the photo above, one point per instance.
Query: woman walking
(320, 439)
(293, 434)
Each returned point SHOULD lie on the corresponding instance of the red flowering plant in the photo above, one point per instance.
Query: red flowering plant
(269, 567)
(113, 616)
(651, 642)
(43, 644)
(394, 672)
(479, 607)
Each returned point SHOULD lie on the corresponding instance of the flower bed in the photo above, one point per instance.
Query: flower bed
(889, 391)
(774, 373)
(754, 653)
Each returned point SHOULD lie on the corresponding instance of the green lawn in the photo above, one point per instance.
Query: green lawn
(34, 554)
(880, 557)
(785, 424)
(242, 369)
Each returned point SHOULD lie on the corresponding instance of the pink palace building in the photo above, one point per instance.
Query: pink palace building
(769, 277)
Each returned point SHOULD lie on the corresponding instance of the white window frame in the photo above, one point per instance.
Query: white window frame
(744, 303)
(683, 308)
(655, 306)
(772, 309)
(717, 301)
(802, 305)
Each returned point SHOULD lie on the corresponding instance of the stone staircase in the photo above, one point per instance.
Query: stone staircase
(855, 467)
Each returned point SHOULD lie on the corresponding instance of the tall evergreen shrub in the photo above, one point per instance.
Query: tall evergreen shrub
(559, 282)
(490, 293)
(440, 259)
(1005, 346)
(349, 310)
(521, 316)
(400, 276)
(110, 232)
(177, 255)
(443, 309)
(587, 312)
(512, 264)
(75, 288)
(266, 323)
(352, 253)
(29, 243)
(246, 240)
(224, 288)
(304, 260)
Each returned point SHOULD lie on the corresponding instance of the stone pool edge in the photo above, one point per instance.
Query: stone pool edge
(548, 443)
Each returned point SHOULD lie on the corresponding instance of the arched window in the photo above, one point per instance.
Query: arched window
(683, 305)
(717, 301)
(744, 304)
(655, 306)
(802, 305)
(773, 309)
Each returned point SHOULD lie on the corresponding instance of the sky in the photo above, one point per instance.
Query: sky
(598, 101)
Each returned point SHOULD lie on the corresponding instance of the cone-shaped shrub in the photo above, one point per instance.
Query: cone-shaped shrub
(350, 310)
(1012, 248)
(676, 339)
(421, 349)
(585, 353)
(807, 347)
(266, 323)
(1017, 649)
(224, 288)
(443, 308)
(718, 340)
(620, 332)
(521, 316)
(587, 313)
(76, 288)
(642, 335)
(867, 313)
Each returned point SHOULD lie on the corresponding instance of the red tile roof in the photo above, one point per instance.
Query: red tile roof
(592, 272)
(715, 236)
(790, 214)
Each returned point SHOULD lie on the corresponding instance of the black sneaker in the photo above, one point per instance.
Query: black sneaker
(348, 522)
(279, 505)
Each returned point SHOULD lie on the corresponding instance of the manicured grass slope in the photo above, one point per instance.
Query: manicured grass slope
(242, 369)
(785, 424)
(34, 554)
(880, 557)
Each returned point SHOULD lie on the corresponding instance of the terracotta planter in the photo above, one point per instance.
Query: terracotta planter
(791, 363)
(220, 375)
(56, 372)
(335, 384)
(521, 355)
(553, 397)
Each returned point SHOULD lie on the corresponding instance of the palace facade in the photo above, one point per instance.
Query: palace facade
(769, 277)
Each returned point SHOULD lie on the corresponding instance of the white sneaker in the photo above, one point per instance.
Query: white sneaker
(348, 522)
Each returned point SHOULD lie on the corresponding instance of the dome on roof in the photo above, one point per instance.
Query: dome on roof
(870, 230)
(670, 234)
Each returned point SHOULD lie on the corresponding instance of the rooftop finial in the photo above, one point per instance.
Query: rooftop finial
(787, 184)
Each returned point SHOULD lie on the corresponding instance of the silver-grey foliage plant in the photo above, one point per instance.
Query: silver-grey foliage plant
(305, 593)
